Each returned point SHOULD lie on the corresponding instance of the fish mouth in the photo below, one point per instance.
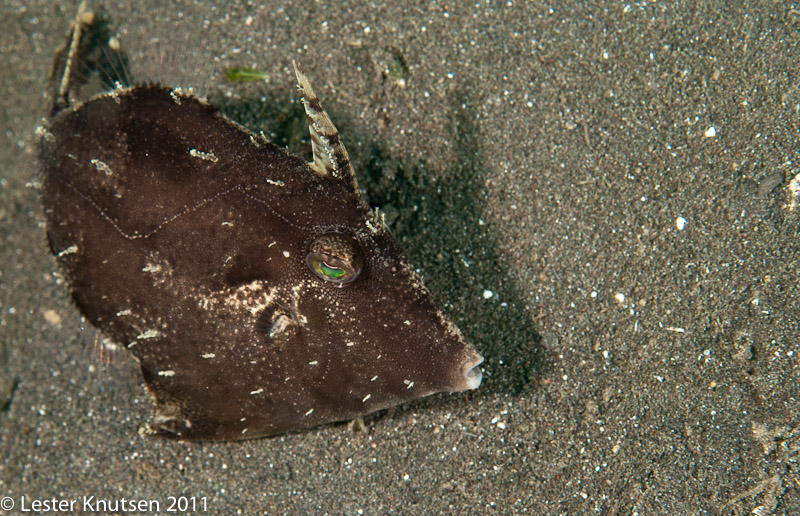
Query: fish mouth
(472, 374)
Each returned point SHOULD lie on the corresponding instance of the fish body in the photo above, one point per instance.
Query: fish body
(258, 292)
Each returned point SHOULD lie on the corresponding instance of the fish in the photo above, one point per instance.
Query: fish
(258, 292)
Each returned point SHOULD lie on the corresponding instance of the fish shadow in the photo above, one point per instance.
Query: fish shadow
(459, 252)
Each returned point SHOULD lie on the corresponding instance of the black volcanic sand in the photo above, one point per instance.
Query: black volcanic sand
(605, 198)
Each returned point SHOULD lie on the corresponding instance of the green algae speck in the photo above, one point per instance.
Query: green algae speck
(243, 74)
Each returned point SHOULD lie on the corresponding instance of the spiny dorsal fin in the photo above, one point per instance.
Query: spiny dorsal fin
(61, 74)
(330, 156)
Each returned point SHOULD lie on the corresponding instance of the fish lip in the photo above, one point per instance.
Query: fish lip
(472, 374)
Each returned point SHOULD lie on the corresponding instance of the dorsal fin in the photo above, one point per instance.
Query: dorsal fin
(62, 72)
(330, 156)
(90, 56)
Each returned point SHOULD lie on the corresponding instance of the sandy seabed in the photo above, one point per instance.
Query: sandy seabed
(604, 197)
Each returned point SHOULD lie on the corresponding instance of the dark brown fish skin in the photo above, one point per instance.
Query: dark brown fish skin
(183, 236)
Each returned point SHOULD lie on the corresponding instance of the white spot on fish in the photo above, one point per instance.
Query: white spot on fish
(279, 326)
(276, 183)
(208, 156)
(168, 372)
(309, 412)
(368, 396)
(69, 250)
(373, 378)
(101, 167)
(286, 254)
(257, 391)
(42, 132)
(149, 334)
(127, 311)
(315, 362)
(208, 355)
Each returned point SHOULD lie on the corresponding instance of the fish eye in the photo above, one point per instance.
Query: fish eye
(334, 257)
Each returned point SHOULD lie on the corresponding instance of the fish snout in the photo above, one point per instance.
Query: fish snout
(471, 374)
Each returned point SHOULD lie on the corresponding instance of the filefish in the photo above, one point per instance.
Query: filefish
(258, 292)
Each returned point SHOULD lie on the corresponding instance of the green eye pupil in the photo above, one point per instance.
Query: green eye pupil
(331, 272)
(335, 258)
